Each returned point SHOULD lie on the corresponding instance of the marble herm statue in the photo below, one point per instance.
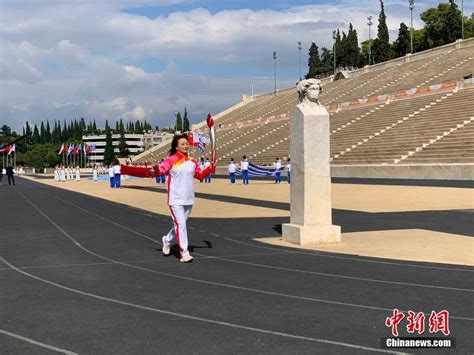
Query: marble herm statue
(311, 220)
(309, 91)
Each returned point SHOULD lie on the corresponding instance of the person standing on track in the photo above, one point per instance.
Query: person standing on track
(277, 166)
(288, 166)
(117, 173)
(180, 169)
(10, 173)
(232, 169)
(111, 176)
(244, 167)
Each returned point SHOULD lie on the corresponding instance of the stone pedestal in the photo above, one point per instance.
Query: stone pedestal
(311, 220)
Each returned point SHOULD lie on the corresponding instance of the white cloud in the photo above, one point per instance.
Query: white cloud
(74, 58)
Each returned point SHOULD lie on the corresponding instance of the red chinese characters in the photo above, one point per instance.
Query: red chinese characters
(394, 320)
(416, 321)
(439, 322)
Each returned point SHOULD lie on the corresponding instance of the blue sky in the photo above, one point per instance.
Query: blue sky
(146, 59)
(215, 6)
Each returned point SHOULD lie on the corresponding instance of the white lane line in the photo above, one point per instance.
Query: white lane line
(215, 283)
(137, 211)
(288, 269)
(60, 266)
(31, 341)
(347, 277)
(186, 316)
(354, 259)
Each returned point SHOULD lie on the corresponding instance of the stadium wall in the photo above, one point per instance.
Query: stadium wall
(412, 57)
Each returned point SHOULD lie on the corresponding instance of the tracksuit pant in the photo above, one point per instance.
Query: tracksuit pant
(289, 177)
(277, 177)
(112, 181)
(179, 231)
(117, 180)
(232, 178)
(245, 177)
(207, 179)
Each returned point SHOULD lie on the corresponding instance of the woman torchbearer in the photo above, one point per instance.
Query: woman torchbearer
(181, 170)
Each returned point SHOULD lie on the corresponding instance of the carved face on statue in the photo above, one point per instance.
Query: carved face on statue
(309, 91)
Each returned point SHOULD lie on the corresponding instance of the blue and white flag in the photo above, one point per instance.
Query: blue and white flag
(255, 170)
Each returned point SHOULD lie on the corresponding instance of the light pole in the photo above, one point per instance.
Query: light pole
(334, 49)
(275, 72)
(462, 19)
(370, 23)
(299, 51)
(411, 6)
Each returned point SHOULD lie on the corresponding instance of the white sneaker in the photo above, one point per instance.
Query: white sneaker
(166, 248)
(186, 259)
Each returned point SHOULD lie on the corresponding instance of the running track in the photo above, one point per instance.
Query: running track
(84, 275)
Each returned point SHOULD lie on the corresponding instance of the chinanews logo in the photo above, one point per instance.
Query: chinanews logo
(416, 323)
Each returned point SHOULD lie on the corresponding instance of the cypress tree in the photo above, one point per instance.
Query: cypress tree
(314, 61)
(138, 127)
(186, 126)
(48, 137)
(42, 133)
(36, 136)
(179, 123)
(123, 150)
(338, 48)
(402, 44)
(452, 23)
(352, 49)
(109, 149)
(382, 50)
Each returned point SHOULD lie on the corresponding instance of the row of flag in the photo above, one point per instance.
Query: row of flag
(8, 149)
(76, 149)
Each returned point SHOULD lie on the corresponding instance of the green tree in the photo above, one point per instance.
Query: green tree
(138, 127)
(442, 24)
(381, 47)
(42, 133)
(47, 137)
(36, 136)
(314, 61)
(179, 123)
(326, 60)
(109, 149)
(123, 150)
(402, 44)
(338, 48)
(343, 53)
(7, 131)
(352, 48)
(186, 126)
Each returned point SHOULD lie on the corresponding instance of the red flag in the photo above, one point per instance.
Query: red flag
(137, 171)
(6, 149)
(190, 138)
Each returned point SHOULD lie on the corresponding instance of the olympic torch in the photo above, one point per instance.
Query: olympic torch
(212, 136)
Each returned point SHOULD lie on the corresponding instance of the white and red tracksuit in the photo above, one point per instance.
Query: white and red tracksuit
(181, 170)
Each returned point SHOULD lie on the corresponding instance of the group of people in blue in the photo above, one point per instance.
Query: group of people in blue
(244, 170)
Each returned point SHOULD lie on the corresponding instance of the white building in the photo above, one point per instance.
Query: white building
(136, 143)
